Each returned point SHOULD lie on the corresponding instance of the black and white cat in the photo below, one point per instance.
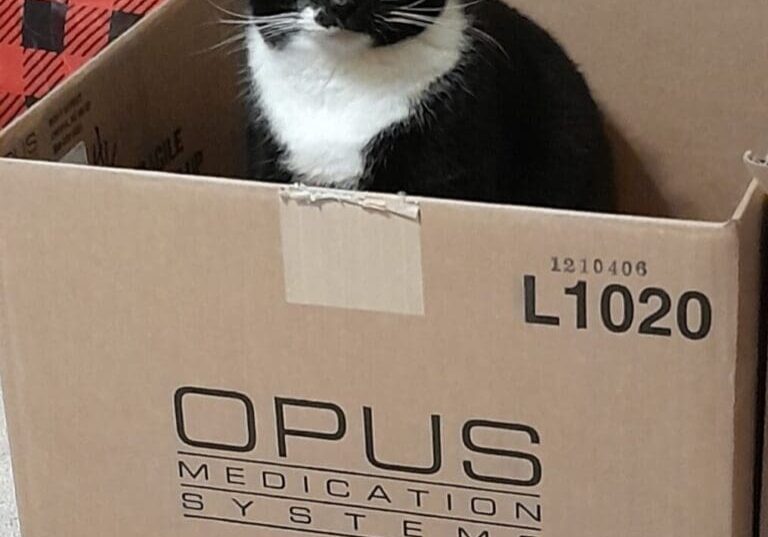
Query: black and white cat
(429, 97)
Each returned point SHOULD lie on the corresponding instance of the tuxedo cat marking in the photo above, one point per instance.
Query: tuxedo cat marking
(327, 97)
(432, 97)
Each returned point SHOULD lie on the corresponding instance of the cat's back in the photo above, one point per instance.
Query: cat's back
(561, 152)
(525, 53)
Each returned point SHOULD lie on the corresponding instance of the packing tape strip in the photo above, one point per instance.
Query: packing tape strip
(351, 250)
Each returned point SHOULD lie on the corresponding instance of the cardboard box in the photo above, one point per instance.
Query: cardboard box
(186, 357)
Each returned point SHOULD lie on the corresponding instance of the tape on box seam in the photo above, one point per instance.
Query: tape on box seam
(351, 250)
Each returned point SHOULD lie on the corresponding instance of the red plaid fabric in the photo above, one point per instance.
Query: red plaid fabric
(44, 41)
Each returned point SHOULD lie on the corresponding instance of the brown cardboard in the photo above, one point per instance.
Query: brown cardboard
(631, 419)
(386, 236)
(158, 331)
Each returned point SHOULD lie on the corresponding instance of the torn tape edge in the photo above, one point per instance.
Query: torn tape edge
(758, 168)
(398, 206)
(753, 161)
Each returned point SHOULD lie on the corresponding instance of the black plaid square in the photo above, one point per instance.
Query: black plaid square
(44, 25)
(120, 22)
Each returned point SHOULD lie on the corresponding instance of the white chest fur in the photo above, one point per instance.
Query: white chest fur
(327, 97)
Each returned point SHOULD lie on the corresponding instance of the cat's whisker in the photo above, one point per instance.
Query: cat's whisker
(416, 16)
(406, 22)
(275, 25)
(418, 10)
(248, 18)
(227, 11)
(279, 16)
(458, 5)
(277, 30)
(272, 35)
(412, 5)
(421, 10)
(229, 41)
(462, 5)
(427, 21)
(239, 48)
(236, 23)
(381, 23)
(399, 20)
(473, 30)
(236, 51)
(280, 24)
(257, 22)
(232, 40)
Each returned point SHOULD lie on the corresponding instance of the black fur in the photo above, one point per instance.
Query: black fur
(516, 125)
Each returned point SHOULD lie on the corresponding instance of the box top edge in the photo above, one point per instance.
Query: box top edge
(122, 174)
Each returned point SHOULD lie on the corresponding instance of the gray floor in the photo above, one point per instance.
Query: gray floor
(9, 520)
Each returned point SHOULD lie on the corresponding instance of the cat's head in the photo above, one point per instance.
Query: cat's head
(385, 22)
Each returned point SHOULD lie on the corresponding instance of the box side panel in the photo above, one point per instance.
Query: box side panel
(752, 224)
(570, 375)
(762, 466)
(748, 228)
(681, 113)
(10, 509)
(166, 97)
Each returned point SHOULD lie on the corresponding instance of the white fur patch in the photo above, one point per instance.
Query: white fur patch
(328, 94)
